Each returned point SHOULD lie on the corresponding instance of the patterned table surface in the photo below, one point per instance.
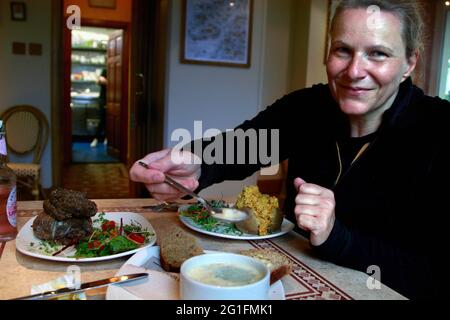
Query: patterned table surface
(311, 279)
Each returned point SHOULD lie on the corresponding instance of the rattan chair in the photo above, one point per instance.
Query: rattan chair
(27, 132)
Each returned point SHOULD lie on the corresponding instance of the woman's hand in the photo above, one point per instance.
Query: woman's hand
(182, 166)
(314, 210)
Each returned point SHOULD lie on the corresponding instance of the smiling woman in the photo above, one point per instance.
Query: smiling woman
(368, 152)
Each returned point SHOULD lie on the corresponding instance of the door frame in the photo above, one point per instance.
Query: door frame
(151, 21)
(66, 114)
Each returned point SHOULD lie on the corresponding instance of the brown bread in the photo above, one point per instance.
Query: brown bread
(278, 264)
(176, 246)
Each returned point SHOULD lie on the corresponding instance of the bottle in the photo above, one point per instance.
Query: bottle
(8, 204)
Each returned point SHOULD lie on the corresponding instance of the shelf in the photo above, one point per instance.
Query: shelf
(88, 49)
(83, 81)
(88, 64)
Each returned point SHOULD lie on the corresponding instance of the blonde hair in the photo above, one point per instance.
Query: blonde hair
(408, 11)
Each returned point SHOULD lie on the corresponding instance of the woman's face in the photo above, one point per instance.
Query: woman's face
(367, 62)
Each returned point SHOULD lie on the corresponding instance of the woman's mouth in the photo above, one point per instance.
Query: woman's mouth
(354, 91)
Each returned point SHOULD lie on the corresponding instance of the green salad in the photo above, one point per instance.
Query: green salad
(201, 218)
(109, 238)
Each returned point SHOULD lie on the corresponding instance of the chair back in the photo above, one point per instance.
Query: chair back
(26, 130)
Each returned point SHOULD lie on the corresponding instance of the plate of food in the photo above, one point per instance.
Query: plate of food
(71, 230)
(265, 218)
(162, 264)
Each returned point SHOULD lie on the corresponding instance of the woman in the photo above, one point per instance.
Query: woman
(100, 132)
(367, 153)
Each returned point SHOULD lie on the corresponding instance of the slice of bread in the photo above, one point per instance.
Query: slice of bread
(278, 264)
(176, 246)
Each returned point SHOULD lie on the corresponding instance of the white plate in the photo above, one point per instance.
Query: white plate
(149, 259)
(286, 227)
(26, 237)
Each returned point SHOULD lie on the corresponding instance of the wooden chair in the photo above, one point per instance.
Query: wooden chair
(27, 132)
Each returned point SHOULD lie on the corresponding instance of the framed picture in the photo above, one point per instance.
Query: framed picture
(332, 5)
(108, 4)
(217, 32)
(18, 11)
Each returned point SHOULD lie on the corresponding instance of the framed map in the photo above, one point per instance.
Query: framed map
(217, 32)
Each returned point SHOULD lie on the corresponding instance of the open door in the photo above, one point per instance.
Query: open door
(115, 103)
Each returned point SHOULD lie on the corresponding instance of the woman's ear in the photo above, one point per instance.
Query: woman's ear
(411, 64)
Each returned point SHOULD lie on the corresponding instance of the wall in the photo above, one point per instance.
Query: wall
(25, 79)
(316, 72)
(122, 13)
(223, 97)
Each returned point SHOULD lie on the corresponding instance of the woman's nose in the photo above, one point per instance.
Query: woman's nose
(356, 68)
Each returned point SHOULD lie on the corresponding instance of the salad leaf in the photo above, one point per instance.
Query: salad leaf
(121, 244)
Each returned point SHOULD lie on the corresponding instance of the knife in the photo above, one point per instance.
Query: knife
(85, 286)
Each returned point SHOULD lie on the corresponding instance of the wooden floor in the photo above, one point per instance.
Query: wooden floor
(98, 181)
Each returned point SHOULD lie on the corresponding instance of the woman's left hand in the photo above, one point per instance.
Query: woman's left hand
(314, 210)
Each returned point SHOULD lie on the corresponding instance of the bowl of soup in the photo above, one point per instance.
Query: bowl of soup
(224, 276)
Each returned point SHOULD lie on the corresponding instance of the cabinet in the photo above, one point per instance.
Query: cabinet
(87, 66)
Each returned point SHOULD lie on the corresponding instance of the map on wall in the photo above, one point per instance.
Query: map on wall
(217, 32)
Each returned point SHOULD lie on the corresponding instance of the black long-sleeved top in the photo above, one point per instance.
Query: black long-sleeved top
(392, 206)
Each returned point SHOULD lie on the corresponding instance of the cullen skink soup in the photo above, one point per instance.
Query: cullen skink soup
(225, 274)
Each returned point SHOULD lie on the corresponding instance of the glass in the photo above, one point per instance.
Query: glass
(8, 204)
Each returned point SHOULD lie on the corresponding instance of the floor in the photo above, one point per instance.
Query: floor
(98, 181)
(83, 153)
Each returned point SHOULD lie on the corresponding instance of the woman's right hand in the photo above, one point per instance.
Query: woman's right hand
(183, 166)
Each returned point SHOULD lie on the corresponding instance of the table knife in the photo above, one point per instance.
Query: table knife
(85, 286)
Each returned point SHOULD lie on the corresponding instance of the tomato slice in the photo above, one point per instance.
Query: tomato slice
(94, 244)
(108, 225)
(136, 238)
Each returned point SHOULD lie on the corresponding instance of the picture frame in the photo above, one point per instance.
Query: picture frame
(18, 11)
(332, 5)
(106, 4)
(217, 33)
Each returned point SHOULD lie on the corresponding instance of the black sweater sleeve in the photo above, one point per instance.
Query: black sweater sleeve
(265, 144)
(272, 127)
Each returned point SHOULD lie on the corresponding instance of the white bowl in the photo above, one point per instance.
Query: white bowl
(191, 289)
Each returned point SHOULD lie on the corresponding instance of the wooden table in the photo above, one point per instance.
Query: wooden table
(312, 279)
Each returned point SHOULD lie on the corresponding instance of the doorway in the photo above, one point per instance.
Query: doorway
(144, 41)
(95, 109)
(88, 92)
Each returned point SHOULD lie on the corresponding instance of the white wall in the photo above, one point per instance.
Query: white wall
(316, 72)
(223, 97)
(26, 79)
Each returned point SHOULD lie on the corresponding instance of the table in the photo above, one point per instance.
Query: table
(311, 279)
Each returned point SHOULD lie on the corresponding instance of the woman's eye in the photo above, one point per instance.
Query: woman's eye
(379, 55)
(342, 51)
